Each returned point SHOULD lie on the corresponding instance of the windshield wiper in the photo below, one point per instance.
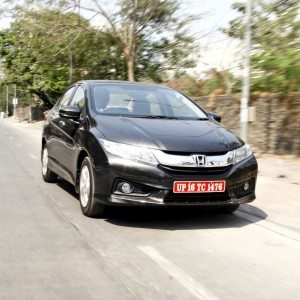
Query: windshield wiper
(167, 117)
(160, 117)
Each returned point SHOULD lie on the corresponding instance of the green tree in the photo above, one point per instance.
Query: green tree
(275, 58)
(189, 85)
(156, 23)
(38, 48)
(149, 34)
(220, 81)
(39, 45)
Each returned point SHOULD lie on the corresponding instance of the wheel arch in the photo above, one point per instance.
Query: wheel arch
(81, 156)
(43, 142)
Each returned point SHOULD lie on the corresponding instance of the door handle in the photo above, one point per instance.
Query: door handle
(61, 123)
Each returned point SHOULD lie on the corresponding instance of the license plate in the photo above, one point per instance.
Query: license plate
(199, 186)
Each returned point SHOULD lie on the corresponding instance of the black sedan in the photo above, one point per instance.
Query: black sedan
(124, 143)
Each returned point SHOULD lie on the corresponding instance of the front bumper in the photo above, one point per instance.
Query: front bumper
(133, 201)
(159, 182)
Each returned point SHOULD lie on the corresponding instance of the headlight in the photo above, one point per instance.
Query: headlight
(241, 153)
(142, 154)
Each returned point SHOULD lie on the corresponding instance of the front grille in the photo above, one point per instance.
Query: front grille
(196, 197)
(190, 153)
(194, 171)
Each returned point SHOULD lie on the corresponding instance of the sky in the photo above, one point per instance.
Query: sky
(215, 49)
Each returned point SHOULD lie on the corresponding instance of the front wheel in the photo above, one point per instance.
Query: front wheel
(47, 174)
(89, 206)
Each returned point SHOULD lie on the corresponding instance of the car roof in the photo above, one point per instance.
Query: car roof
(120, 82)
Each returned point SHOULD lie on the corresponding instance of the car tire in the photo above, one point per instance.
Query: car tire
(228, 209)
(47, 174)
(89, 206)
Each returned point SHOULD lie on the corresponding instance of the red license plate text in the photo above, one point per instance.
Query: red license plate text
(199, 186)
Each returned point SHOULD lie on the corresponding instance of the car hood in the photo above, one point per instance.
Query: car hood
(169, 135)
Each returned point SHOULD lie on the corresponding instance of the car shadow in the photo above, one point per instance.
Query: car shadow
(253, 210)
(68, 187)
(176, 218)
(172, 218)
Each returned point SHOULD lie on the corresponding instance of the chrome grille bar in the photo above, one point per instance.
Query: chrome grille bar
(189, 160)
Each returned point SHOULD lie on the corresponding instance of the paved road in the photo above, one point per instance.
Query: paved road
(49, 250)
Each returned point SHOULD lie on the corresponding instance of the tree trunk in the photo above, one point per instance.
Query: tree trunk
(130, 68)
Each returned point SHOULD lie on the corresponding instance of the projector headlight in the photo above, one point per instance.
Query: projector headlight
(241, 153)
(137, 153)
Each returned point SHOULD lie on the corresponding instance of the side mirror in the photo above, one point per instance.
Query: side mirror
(215, 116)
(70, 112)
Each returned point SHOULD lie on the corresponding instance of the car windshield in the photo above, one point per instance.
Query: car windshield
(143, 101)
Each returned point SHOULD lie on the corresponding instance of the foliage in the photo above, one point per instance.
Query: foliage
(215, 82)
(41, 44)
(38, 47)
(152, 32)
(154, 23)
(186, 84)
(276, 43)
(220, 82)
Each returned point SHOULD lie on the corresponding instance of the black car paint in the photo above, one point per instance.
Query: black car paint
(170, 135)
(68, 141)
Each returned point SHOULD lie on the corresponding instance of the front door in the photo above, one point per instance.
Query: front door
(55, 131)
(67, 148)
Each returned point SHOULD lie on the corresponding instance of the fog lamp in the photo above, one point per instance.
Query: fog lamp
(126, 187)
(246, 186)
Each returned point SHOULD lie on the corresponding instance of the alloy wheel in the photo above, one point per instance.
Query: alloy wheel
(85, 186)
(45, 161)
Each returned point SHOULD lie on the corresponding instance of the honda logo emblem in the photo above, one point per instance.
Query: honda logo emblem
(200, 160)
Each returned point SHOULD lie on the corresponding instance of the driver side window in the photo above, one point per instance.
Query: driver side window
(66, 98)
(78, 99)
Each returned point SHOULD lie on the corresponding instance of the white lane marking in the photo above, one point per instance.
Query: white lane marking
(187, 281)
(32, 156)
(19, 145)
(269, 225)
(11, 138)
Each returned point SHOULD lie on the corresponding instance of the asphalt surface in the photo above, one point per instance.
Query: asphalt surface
(49, 250)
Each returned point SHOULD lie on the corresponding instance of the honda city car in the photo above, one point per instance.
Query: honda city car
(126, 143)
